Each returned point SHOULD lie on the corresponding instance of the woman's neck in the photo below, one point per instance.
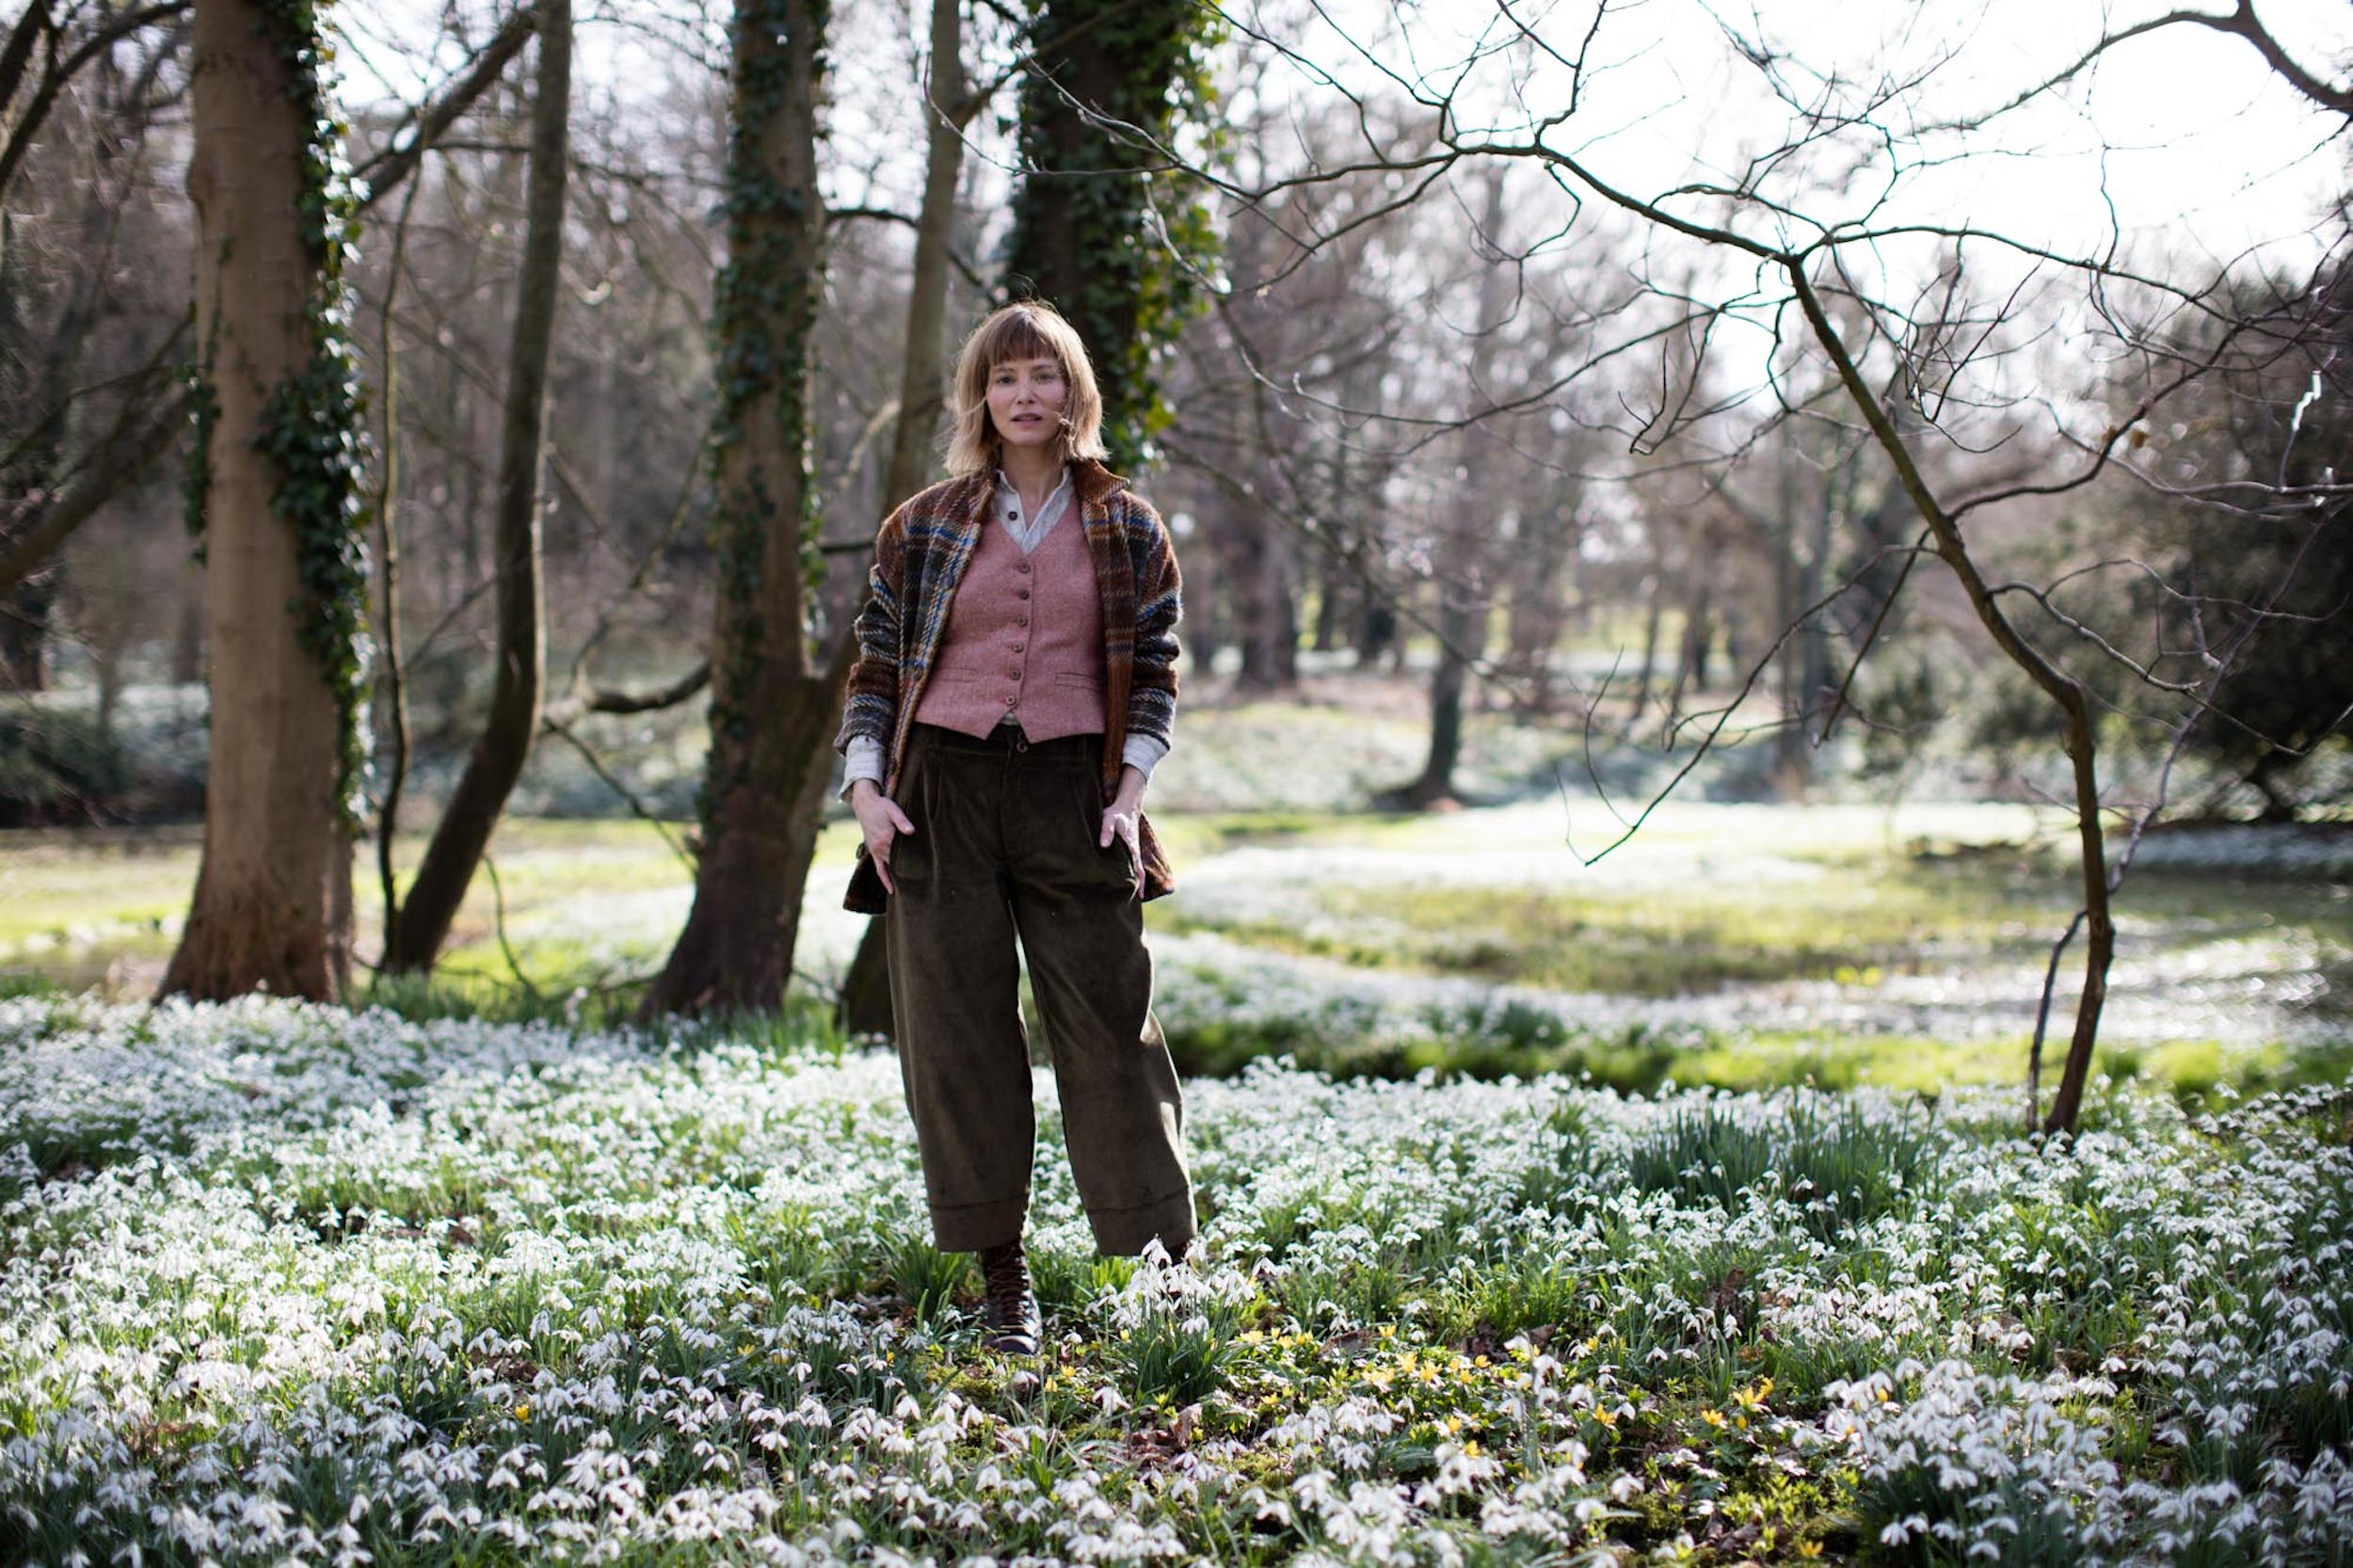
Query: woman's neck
(1033, 469)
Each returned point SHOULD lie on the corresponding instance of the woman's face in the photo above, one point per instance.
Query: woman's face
(1025, 401)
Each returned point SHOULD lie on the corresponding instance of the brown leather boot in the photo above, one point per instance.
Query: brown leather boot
(1010, 1316)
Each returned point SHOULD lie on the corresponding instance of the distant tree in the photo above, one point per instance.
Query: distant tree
(414, 936)
(86, 99)
(1827, 233)
(2270, 552)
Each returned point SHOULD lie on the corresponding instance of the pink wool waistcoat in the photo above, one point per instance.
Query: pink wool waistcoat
(1024, 640)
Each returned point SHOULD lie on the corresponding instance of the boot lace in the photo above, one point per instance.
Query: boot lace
(1006, 1273)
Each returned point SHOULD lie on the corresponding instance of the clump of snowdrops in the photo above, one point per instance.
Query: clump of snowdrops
(284, 1283)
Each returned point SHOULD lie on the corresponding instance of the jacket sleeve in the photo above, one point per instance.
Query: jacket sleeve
(870, 705)
(1152, 687)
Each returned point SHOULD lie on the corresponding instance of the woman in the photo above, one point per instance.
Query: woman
(1014, 686)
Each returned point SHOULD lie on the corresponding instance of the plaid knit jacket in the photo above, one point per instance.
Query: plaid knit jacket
(920, 557)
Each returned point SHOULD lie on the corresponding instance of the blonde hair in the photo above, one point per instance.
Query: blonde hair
(1029, 330)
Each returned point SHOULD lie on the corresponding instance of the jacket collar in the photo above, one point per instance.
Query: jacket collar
(1094, 483)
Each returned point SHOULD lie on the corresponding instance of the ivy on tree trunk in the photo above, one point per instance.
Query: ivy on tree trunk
(1093, 234)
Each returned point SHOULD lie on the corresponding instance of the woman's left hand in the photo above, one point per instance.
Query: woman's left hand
(1120, 820)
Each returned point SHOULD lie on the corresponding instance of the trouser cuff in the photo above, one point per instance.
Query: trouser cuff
(1123, 1232)
(969, 1227)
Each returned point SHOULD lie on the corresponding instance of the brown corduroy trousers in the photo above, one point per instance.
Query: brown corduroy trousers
(1005, 844)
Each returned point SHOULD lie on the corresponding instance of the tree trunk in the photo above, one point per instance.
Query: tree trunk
(772, 711)
(1535, 622)
(1793, 750)
(864, 1006)
(1376, 632)
(1698, 629)
(2066, 694)
(519, 684)
(107, 664)
(265, 914)
(1330, 593)
(1646, 673)
(1205, 591)
(1813, 678)
(1458, 625)
(1269, 617)
(1464, 585)
(923, 376)
(25, 633)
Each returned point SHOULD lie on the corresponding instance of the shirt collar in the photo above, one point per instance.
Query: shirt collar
(1004, 482)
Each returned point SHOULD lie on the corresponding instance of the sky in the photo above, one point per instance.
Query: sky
(2180, 148)
(2181, 127)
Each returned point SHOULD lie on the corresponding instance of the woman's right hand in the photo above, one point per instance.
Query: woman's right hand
(882, 822)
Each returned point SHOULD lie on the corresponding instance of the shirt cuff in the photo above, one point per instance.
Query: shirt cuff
(862, 759)
(1143, 753)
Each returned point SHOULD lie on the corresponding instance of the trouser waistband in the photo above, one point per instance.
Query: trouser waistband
(1007, 736)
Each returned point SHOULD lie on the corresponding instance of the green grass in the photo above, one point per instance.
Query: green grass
(1854, 896)
(1861, 914)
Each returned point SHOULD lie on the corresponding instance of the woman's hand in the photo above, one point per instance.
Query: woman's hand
(1119, 822)
(882, 822)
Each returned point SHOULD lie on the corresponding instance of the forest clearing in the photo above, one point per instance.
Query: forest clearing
(1674, 1207)
(288, 1282)
(1046, 782)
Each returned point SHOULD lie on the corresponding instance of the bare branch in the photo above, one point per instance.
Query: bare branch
(53, 78)
(127, 453)
(425, 122)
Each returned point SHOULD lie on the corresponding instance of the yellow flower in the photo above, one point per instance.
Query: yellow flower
(1713, 1417)
(1471, 1448)
(1481, 1362)
(522, 1413)
(1809, 1548)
